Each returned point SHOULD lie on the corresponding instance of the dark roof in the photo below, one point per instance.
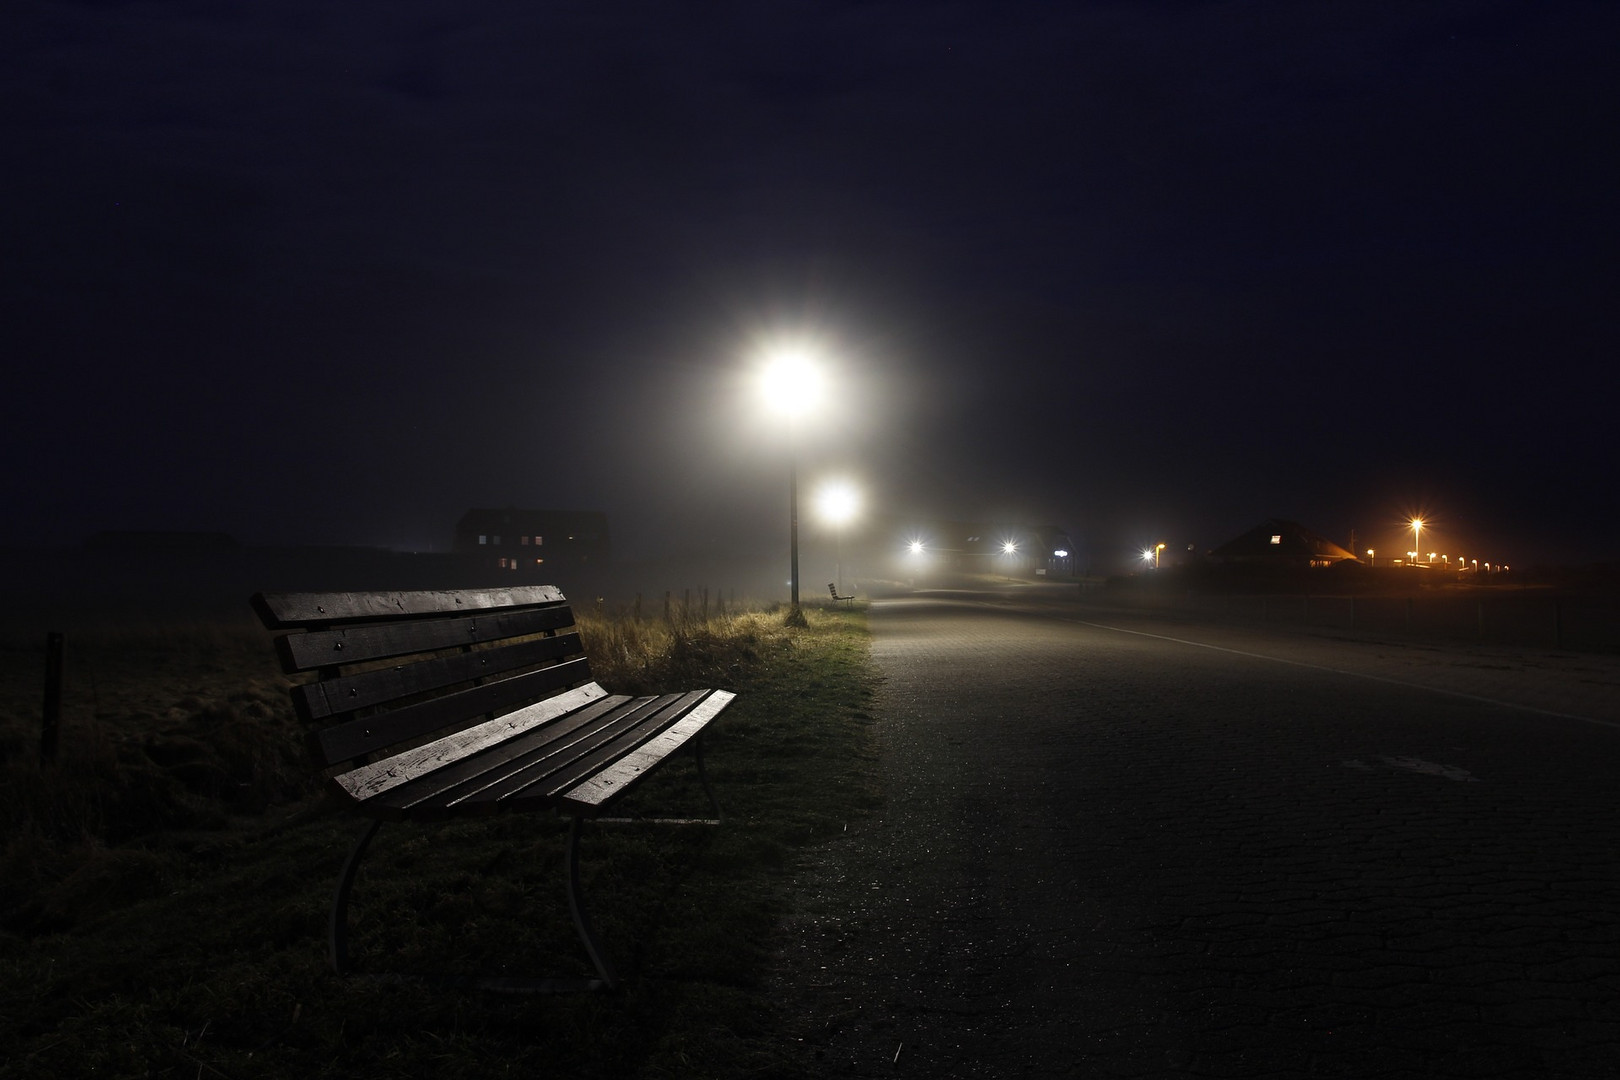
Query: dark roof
(1278, 541)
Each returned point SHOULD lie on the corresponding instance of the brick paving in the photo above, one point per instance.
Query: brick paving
(1107, 850)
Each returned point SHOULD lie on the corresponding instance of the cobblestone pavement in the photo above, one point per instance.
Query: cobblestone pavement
(1112, 846)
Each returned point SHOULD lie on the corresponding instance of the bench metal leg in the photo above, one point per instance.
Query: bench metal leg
(338, 940)
(703, 777)
(338, 947)
(576, 907)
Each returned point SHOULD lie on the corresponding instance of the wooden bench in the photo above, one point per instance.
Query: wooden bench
(832, 590)
(432, 705)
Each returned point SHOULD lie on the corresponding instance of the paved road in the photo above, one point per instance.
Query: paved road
(1120, 847)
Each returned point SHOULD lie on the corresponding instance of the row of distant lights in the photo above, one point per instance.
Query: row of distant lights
(1009, 547)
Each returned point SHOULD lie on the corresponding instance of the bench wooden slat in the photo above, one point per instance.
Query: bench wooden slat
(558, 715)
(369, 734)
(531, 757)
(606, 746)
(333, 698)
(357, 644)
(628, 770)
(281, 611)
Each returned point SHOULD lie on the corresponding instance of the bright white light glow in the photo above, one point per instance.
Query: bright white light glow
(1147, 556)
(1009, 548)
(791, 381)
(1060, 553)
(837, 502)
(916, 547)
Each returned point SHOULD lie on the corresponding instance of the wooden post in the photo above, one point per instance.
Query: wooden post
(55, 649)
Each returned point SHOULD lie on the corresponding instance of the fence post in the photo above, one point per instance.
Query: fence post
(50, 731)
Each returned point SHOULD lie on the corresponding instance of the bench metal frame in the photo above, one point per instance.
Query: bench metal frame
(431, 705)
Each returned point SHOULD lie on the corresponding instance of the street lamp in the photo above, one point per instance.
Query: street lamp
(837, 502)
(791, 384)
(1417, 536)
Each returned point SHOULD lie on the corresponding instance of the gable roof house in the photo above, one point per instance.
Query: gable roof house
(1276, 542)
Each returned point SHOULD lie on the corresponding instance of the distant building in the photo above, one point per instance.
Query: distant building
(1276, 542)
(515, 539)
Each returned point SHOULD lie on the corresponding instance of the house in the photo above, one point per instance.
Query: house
(514, 538)
(1275, 542)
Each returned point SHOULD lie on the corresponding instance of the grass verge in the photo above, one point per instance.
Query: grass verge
(194, 946)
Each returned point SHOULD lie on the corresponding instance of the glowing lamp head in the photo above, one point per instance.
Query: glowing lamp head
(791, 381)
(837, 502)
(1009, 548)
(1060, 553)
(916, 547)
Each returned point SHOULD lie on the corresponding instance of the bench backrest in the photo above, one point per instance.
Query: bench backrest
(395, 668)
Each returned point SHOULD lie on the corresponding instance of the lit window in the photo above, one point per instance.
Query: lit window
(539, 540)
(1276, 538)
(524, 540)
(501, 562)
(483, 538)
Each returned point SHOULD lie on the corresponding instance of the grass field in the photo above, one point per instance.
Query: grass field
(164, 886)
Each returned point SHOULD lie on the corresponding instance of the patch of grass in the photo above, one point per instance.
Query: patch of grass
(198, 948)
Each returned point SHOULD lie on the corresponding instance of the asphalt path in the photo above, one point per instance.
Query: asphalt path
(1120, 846)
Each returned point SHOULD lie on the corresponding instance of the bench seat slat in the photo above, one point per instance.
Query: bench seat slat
(281, 611)
(366, 782)
(370, 734)
(610, 783)
(357, 644)
(346, 694)
(529, 756)
(543, 786)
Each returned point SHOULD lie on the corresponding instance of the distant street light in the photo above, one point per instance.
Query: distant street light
(1417, 536)
(837, 502)
(791, 384)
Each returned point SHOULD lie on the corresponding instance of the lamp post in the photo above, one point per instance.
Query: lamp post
(790, 382)
(1417, 537)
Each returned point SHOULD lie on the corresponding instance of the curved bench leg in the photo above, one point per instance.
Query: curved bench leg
(703, 778)
(576, 907)
(338, 947)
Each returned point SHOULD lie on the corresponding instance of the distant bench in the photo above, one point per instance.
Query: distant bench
(832, 591)
(431, 705)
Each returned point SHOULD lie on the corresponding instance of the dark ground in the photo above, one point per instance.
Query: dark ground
(1115, 845)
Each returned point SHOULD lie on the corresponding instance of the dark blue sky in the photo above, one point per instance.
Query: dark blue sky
(312, 272)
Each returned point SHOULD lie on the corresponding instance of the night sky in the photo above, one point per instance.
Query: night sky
(315, 272)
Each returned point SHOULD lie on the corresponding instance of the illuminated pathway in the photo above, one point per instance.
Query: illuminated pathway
(1117, 847)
